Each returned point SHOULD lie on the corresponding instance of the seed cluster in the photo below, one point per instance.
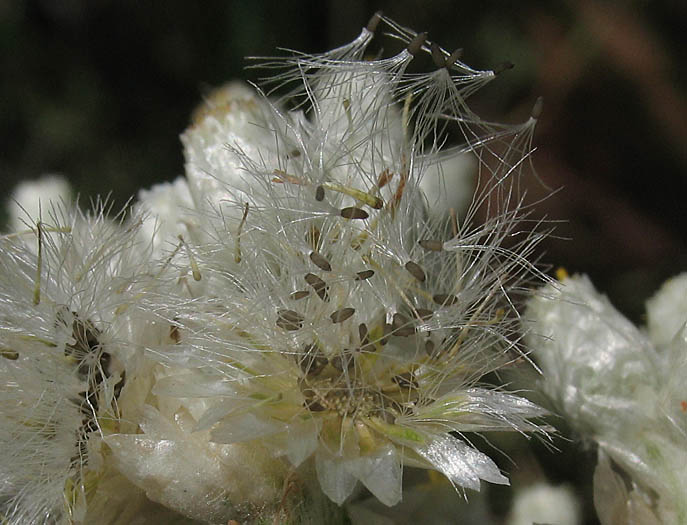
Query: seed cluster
(343, 378)
(93, 366)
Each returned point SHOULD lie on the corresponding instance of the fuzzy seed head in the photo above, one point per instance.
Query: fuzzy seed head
(355, 318)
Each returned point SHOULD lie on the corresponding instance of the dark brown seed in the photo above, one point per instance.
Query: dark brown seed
(386, 332)
(319, 193)
(174, 333)
(318, 285)
(445, 299)
(365, 344)
(454, 57)
(291, 315)
(312, 361)
(405, 331)
(384, 178)
(416, 44)
(86, 336)
(504, 66)
(120, 384)
(399, 320)
(369, 348)
(289, 320)
(378, 203)
(354, 213)
(295, 154)
(313, 405)
(341, 362)
(437, 56)
(538, 108)
(416, 271)
(364, 275)
(401, 326)
(86, 341)
(405, 380)
(374, 22)
(305, 388)
(341, 315)
(300, 294)
(319, 261)
(432, 245)
(424, 314)
(7, 353)
(314, 280)
(429, 347)
(387, 416)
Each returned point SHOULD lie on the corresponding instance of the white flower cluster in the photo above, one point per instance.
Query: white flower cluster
(294, 317)
(624, 388)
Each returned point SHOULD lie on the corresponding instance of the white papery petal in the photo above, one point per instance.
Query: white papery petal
(172, 473)
(243, 428)
(616, 387)
(184, 471)
(381, 473)
(480, 409)
(217, 411)
(302, 441)
(155, 425)
(335, 479)
(193, 385)
(460, 463)
(502, 404)
(370, 108)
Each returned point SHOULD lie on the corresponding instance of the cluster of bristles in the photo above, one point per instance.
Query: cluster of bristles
(324, 384)
(374, 266)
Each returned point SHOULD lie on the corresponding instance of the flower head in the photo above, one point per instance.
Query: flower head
(64, 329)
(340, 320)
(622, 388)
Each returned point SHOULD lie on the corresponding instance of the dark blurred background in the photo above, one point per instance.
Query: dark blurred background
(100, 90)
